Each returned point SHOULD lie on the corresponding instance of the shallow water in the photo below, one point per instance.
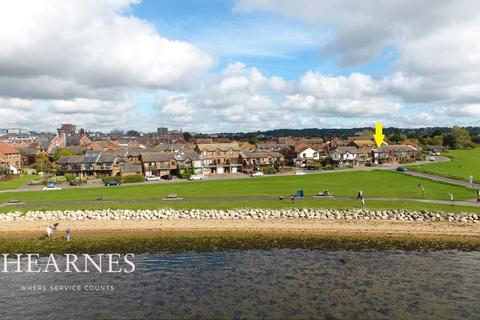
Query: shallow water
(277, 284)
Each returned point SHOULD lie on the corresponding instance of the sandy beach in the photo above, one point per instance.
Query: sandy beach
(92, 228)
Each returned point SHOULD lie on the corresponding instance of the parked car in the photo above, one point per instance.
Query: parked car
(256, 174)
(310, 167)
(299, 173)
(196, 177)
(167, 177)
(112, 183)
(152, 178)
(402, 169)
(51, 187)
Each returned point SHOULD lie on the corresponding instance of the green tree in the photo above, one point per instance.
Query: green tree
(397, 136)
(252, 138)
(187, 136)
(133, 133)
(462, 138)
(62, 152)
(437, 140)
(42, 163)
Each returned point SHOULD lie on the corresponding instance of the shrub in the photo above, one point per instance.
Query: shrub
(60, 179)
(133, 179)
(184, 175)
(109, 178)
(269, 170)
(70, 177)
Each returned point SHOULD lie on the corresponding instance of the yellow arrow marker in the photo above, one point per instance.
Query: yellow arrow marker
(379, 136)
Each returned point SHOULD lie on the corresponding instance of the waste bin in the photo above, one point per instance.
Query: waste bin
(299, 193)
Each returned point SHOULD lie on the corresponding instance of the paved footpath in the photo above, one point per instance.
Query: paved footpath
(285, 199)
(444, 179)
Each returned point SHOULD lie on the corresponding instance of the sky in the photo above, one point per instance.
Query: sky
(239, 65)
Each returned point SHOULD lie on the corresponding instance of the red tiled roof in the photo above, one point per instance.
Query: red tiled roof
(6, 149)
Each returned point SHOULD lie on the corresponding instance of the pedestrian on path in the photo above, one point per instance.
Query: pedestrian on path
(451, 198)
(363, 203)
(360, 195)
(292, 198)
(478, 196)
(68, 233)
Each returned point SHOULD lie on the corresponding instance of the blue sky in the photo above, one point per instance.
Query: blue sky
(239, 65)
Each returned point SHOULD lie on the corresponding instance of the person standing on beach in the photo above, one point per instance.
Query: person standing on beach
(68, 233)
(49, 231)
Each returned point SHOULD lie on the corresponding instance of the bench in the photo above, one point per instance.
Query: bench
(324, 194)
(172, 196)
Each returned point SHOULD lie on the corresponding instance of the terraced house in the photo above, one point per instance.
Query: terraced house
(158, 163)
(90, 165)
(12, 158)
(345, 156)
(256, 161)
(219, 158)
(395, 154)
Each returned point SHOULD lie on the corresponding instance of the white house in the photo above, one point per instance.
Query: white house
(306, 152)
(345, 155)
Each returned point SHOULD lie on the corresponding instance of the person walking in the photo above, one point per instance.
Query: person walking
(68, 233)
(450, 195)
(478, 196)
(292, 198)
(363, 203)
(360, 195)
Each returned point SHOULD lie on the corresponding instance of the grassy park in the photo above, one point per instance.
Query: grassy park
(253, 192)
(15, 182)
(463, 164)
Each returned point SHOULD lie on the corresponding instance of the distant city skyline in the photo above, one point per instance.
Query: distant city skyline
(237, 66)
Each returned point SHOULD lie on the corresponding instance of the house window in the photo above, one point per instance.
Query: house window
(204, 153)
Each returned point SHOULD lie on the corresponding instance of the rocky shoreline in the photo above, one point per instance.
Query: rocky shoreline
(243, 214)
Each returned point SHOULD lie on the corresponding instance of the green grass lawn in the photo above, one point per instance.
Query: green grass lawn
(16, 182)
(464, 163)
(325, 204)
(372, 183)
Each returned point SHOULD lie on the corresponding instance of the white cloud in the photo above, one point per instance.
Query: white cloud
(470, 110)
(83, 44)
(242, 98)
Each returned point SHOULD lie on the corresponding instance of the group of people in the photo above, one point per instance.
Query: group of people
(53, 227)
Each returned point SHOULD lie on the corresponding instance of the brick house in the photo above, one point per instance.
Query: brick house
(395, 154)
(158, 163)
(365, 148)
(12, 157)
(219, 158)
(256, 161)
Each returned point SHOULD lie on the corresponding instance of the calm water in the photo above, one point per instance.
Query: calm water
(262, 284)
